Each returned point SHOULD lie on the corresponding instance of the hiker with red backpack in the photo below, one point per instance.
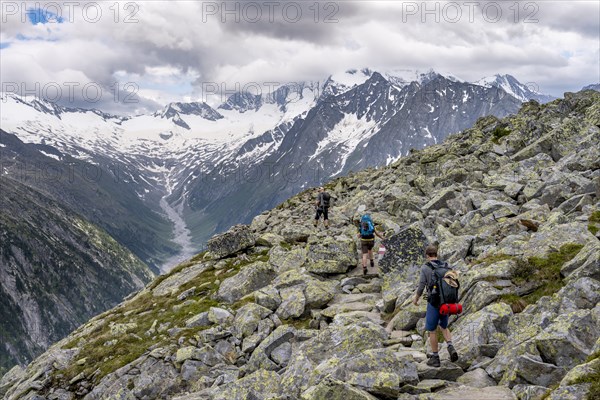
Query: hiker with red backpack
(442, 286)
(367, 235)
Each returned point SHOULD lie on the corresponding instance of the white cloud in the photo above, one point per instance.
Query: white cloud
(175, 45)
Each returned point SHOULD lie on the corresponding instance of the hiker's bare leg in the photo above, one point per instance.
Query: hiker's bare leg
(371, 255)
(433, 341)
(447, 334)
(364, 260)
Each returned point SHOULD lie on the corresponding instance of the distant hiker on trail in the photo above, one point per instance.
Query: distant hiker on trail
(430, 273)
(367, 235)
(322, 206)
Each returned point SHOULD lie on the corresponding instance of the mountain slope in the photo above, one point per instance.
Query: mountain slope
(56, 271)
(276, 309)
(101, 192)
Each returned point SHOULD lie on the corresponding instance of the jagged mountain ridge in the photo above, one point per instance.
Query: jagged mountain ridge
(273, 309)
(512, 86)
(205, 159)
(56, 271)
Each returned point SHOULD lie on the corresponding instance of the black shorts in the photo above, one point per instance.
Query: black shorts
(324, 211)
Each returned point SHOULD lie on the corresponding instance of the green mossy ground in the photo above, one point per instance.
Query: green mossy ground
(143, 310)
(594, 222)
(499, 133)
(543, 270)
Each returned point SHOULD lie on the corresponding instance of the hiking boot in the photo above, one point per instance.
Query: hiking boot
(364, 270)
(434, 361)
(453, 353)
(372, 264)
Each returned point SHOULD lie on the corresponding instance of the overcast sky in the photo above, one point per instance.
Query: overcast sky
(170, 51)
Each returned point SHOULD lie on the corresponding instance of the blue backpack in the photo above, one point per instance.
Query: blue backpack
(366, 226)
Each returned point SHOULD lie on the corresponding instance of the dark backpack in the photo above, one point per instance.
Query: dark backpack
(367, 229)
(325, 199)
(441, 292)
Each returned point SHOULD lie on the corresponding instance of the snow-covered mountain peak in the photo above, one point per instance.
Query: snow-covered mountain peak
(512, 86)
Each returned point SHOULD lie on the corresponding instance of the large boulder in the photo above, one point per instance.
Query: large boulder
(378, 371)
(481, 334)
(237, 238)
(285, 260)
(471, 393)
(552, 237)
(249, 279)
(261, 357)
(332, 256)
(261, 384)
(405, 252)
(542, 355)
(247, 319)
(292, 304)
(332, 389)
(321, 355)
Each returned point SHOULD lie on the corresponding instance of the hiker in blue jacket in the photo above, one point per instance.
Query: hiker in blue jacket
(367, 235)
(432, 316)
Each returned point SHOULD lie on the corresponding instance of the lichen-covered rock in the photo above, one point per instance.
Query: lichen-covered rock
(379, 371)
(198, 320)
(321, 355)
(261, 384)
(453, 248)
(268, 297)
(261, 357)
(292, 304)
(174, 281)
(331, 256)
(249, 279)
(542, 355)
(285, 260)
(269, 239)
(446, 371)
(469, 393)
(318, 293)
(530, 392)
(247, 319)
(440, 200)
(335, 390)
(585, 264)
(237, 238)
(404, 252)
(219, 316)
(408, 316)
(477, 378)
(551, 237)
(295, 233)
(481, 334)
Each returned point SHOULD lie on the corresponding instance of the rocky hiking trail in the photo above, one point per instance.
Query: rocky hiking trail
(280, 310)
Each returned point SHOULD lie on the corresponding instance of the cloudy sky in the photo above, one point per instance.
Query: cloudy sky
(136, 56)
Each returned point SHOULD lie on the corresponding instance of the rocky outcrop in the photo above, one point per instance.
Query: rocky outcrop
(510, 202)
(235, 239)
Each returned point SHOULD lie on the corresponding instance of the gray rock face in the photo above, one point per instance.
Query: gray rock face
(235, 239)
(405, 252)
(249, 279)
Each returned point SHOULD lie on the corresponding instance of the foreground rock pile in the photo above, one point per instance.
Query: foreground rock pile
(274, 311)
